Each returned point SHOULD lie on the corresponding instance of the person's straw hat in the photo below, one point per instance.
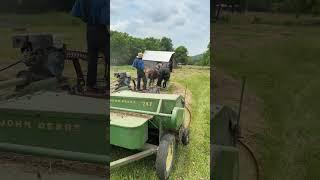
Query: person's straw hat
(140, 55)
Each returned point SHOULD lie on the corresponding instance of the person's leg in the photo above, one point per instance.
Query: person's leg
(144, 81)
(138, 81)
(92, 55)
(105, 39)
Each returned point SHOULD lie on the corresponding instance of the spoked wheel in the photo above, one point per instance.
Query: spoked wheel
(165, 156)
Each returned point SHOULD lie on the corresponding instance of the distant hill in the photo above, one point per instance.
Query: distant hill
(200, 59)
(196, 57)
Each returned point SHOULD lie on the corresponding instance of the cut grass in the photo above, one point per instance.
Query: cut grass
(192, 161)
(282, 66)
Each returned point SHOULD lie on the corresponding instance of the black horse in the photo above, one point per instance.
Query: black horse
(164, 75)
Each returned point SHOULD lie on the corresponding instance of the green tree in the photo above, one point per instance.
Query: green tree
(124, 47)
(205, 58)
(119, 48)
(205, 61)
(152, 43)
(166, 44)
(299, 7)
(181, 54)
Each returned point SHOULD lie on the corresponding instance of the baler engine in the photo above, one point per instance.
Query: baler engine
(43, 54)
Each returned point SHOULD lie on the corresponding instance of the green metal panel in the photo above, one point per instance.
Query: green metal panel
(128, 131)
(177, 117)
(145, 101)
(72, 132)
(30, 123)
(225, 157)
(57, 102)
(145, 95)
(167, 108)
(226, 162)
(135, 103)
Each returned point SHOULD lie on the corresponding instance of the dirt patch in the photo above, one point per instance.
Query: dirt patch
(227, 92)
(32, 164)
(179, 89)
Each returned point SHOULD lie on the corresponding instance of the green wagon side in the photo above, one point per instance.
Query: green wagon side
(57, 125)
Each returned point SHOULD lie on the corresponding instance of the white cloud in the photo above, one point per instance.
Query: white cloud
(120, 26)
(186, 22)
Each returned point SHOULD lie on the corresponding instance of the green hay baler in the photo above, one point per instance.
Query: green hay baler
(151, 123)
(48, 116)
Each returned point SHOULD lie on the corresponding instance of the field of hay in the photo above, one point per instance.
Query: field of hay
(279, 56)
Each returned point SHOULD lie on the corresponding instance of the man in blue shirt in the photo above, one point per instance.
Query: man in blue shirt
(95, 13)
(139, 65)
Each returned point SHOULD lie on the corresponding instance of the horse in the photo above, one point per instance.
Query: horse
(164, 75)
(153, 73)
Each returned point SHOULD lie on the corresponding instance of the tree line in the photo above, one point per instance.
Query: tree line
(281, 6)
(297, 6)
(124, 48)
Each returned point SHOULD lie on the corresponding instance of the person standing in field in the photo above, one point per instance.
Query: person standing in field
(139, 65)
(95, 13)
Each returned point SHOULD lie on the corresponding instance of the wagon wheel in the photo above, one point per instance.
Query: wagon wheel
(165, 156)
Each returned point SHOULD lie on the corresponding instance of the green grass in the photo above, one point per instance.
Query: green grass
(283, 68)
(192, 161)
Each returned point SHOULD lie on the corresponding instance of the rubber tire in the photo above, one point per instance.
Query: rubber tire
(185, 139)
(162, 153)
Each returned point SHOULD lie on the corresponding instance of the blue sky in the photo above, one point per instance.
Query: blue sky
(186, 22)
